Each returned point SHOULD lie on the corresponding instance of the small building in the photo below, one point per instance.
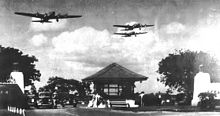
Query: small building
(11, 95)
(12, 91)
(115, 82)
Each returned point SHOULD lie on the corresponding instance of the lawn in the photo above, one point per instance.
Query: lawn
(168, 108)
(141, 111)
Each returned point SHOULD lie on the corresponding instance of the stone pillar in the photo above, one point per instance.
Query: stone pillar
(17, 76)
(19, 79)
(201, 84)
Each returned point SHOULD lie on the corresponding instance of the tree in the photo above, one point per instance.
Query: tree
(33, 89)
(25, 64)
(64, 85)
(177, 70)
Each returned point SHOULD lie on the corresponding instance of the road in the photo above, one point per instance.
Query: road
(103, 112)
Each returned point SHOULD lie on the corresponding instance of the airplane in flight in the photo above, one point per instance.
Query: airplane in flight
(45, 18)
(129, 34)
(131, 27)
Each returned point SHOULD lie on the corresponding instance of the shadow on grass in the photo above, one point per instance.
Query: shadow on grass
(5, 112)
(168, 108)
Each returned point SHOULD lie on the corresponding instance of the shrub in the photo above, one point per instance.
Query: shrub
(150, 100)
(184, 99)
(207, 101)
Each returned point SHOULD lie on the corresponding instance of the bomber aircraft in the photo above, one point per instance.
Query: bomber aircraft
(129, 34)
(45, 18)
(131, 27)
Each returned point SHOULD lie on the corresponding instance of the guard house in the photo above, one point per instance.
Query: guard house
(11, 95)
(115, 82)
(12, 91)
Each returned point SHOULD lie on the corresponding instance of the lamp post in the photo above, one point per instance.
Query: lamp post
(141, 95)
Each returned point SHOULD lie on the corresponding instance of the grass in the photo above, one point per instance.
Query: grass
(162, 108)
(5, 112)
(141, 111)
(168, 108)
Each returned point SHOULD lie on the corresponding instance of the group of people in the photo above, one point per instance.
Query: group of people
(97, 101)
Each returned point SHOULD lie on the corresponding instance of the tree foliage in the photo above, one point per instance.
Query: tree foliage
(64, 85)
(178, 69)
(8, 56)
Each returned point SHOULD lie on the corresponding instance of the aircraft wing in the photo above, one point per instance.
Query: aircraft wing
(42, 21)
(140, 33)
(37, 15)
(66, 16)
(124, 26)
(121, 33)
(124, 34)
(148, 25)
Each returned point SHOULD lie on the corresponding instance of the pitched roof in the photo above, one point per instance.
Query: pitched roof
(116, 72)
(13, 97)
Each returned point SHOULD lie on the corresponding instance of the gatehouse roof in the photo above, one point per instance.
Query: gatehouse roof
(115, 72)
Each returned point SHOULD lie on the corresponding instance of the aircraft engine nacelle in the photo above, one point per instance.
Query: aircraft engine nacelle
(135, 34)
(37, 14)
(57, 17)
(52, 13)
(45, 15)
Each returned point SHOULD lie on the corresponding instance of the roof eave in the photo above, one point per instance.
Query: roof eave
(107, 79)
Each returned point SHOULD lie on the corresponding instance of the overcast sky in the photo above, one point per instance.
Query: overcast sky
(77, 48)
